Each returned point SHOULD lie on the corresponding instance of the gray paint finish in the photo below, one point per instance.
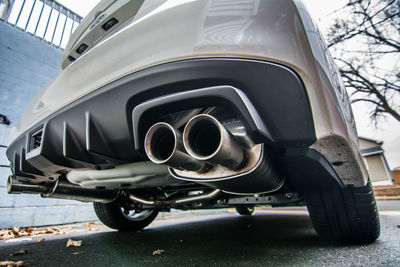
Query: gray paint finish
(27, 64)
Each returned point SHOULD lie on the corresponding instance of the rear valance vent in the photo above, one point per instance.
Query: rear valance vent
(36, 139)
(109, 24)
(81, 48)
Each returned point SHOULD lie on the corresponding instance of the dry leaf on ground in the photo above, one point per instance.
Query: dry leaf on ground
(6, 234)
(158, 251)
(11, 263)
(20, 252)
(74, 243)
(52, 230)
(16, 232)
(41, 240)
(89, 224)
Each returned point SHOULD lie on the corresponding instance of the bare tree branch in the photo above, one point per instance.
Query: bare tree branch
(375, 26)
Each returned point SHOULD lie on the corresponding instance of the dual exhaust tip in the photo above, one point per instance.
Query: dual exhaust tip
(204, 140)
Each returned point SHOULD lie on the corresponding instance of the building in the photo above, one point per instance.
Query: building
(396, 175)
(374, 158)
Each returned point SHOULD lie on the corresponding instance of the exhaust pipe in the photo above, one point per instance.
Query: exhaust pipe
(206, 139)
(16, 187)
(61, 189)
(177, 201)
(163, 145)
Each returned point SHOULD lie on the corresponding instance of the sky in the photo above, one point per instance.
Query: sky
(322, 11)
(82, 8)
(388, 129)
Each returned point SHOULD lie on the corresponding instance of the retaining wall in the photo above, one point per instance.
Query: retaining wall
(27, 64)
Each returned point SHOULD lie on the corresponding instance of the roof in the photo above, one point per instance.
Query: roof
(371, 151)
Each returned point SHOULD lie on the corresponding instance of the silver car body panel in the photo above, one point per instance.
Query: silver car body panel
(278, 31)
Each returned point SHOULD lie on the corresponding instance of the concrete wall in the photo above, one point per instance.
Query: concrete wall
(27, 64)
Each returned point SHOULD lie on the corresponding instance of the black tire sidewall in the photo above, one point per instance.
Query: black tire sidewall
(111, 215)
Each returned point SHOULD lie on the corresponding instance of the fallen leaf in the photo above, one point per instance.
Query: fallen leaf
(41, 240)
(74, 243)
(89, 224)
(11, 263)
(43, 232)
(50, 231)
(17, 232)
(23, 231)
(6, 234)
(20, 252)
(158, 251)
(58, 231)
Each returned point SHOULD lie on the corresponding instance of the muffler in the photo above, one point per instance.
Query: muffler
(177, 201)
(163, 145)
(61, 189)
(237, 168)
(206, 139)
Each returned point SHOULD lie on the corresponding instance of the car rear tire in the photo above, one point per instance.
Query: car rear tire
(245, 210)
(347, 215)
(116, 216)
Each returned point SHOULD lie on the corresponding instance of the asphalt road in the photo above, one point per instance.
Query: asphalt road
(282, 237)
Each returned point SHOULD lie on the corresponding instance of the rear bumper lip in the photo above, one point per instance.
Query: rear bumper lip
(98, 129)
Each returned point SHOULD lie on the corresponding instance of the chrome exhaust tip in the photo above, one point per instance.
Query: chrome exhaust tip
(61, 189)
(16, 187)
(206, 139)
(163, 145)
